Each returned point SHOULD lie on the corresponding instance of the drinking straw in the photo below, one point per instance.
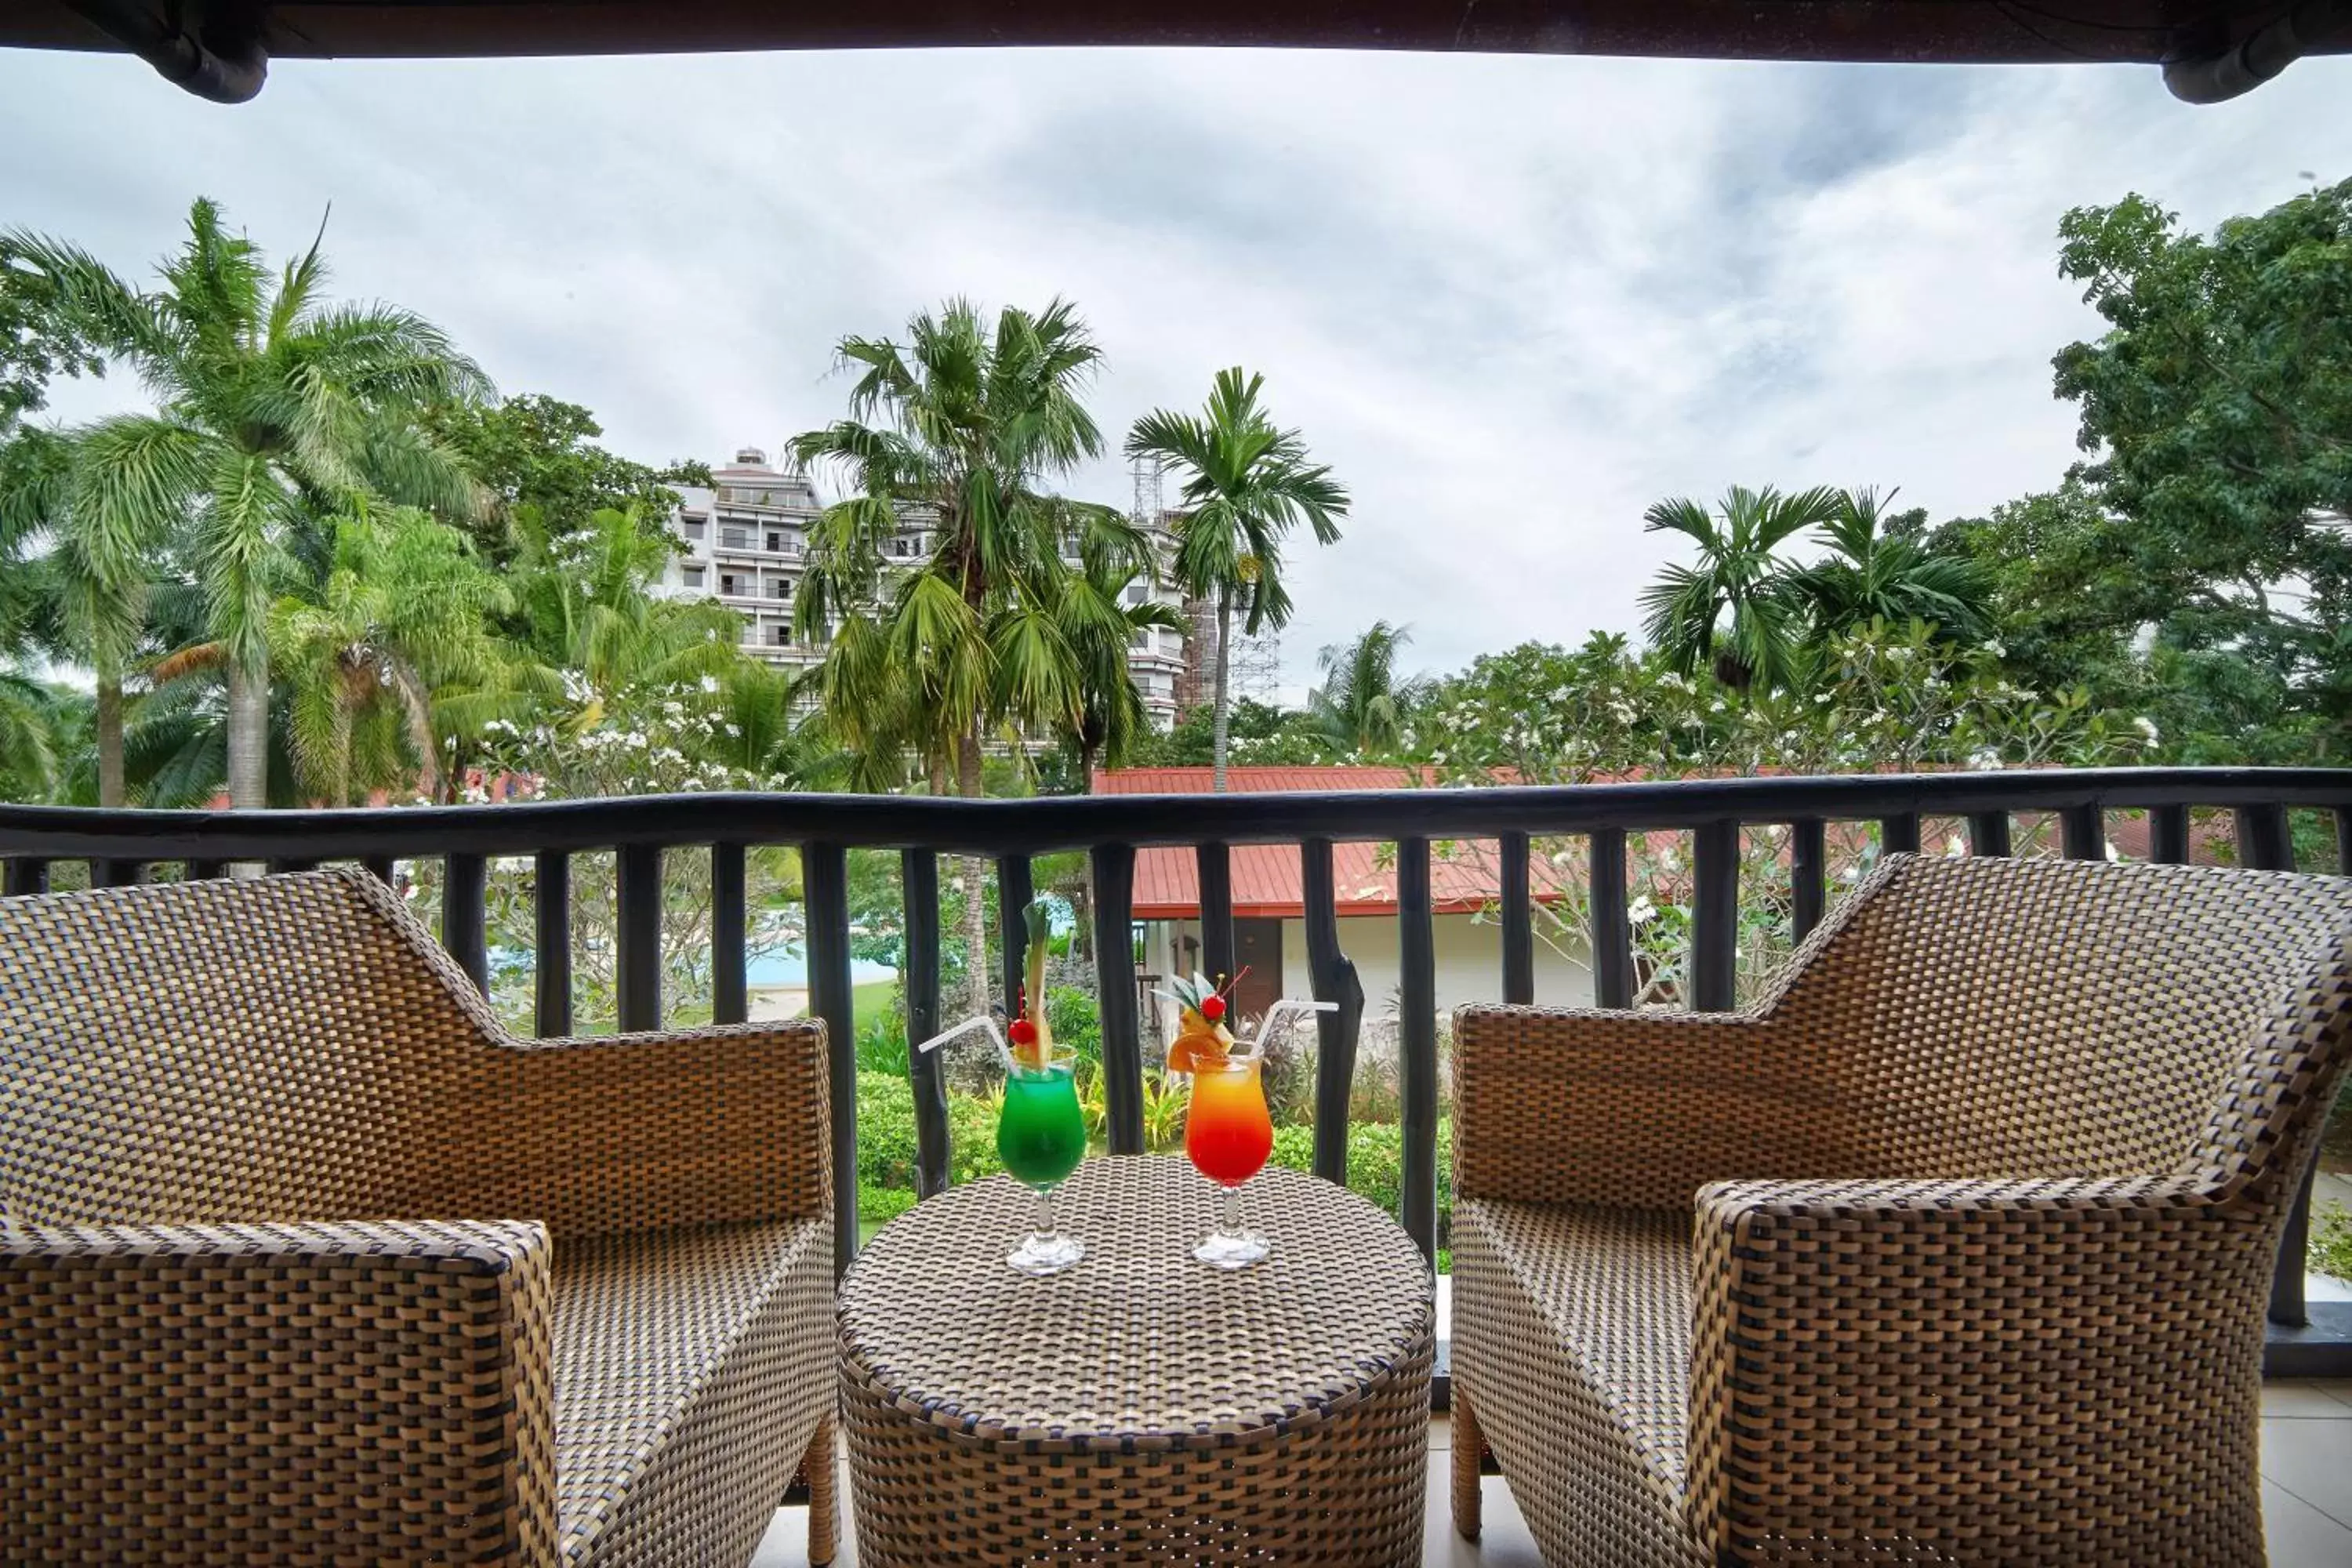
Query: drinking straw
(1282, 1012)
(957, 1031)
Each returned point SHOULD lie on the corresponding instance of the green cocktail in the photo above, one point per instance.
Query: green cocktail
(1041, 1135)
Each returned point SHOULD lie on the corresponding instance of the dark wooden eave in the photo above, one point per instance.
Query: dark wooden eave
(1984, 31)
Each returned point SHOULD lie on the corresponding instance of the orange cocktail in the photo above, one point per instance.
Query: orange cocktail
(1228, 1135)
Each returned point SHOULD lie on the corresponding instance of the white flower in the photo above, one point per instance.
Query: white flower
(1641, 912)
(2147, 727)
(1955, 844)
(1667, 860)
(1995, 649)
(710, 684)
(2111, 853)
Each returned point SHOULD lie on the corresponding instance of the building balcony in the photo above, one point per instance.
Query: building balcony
(1555, 875)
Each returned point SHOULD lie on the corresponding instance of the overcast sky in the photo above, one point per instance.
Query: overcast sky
(1511, 301)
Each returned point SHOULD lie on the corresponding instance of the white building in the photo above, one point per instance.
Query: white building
(746, 545)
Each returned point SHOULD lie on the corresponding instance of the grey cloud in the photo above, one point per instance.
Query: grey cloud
(1511, 301)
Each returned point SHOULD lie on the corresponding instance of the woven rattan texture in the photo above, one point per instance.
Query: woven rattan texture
(1142, 1407)
(608, 1341)
(2001, 1303)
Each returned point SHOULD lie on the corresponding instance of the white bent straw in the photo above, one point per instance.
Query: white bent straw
(1280, 1013)
(981, 1022)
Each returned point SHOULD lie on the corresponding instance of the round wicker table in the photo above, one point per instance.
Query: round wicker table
(1142, 1407)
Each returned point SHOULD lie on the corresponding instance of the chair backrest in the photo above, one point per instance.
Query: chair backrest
(224, 1050)
(2051, 1017)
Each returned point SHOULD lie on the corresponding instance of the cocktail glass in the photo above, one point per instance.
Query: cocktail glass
(1041, 1134)
(1228, 1136)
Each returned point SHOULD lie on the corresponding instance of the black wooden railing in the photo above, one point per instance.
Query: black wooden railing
(121, 845)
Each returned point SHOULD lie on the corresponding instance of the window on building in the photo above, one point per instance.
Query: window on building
(781, 635)
(694, 576)
(780, 588)
(735, 538)
(692, 528)
(1135, 594)
(726, 581)
(1139, 640)
(775, 540)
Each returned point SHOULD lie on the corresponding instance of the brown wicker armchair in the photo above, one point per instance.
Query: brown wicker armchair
(304, 1259)
(1954, 1250)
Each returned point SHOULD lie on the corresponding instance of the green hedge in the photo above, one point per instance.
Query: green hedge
(1375, 1162)
(886, 1133)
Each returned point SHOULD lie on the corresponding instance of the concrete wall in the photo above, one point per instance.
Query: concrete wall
(1469, 962)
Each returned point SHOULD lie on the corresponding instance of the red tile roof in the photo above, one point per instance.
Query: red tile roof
(1268, 882)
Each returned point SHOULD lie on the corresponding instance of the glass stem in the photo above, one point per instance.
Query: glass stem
(1044, 1220)
(1229, 1212)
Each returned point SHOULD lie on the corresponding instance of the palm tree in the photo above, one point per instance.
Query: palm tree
(1100, 627)
(1249, 483)
(961, 426)
(1734, 609)
(100, 566)
(1872, 574)
(1359, 705)
(28, 728)
(402, 613)
(275, 408)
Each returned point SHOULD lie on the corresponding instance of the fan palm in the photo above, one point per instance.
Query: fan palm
(1359, 707)
(274, 406)
(1734, 609)
(1248, 483)
(1871, 575)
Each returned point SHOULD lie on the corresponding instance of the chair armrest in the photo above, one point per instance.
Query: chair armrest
(277, 1393)
(640, 1132)
(1575, 1105)
(1971, 1362)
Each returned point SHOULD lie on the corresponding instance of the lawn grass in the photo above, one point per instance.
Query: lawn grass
(871, 1000)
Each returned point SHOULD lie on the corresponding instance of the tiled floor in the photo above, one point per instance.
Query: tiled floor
(2306, 1494)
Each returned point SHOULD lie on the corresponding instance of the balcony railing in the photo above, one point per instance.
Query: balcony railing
(121, 844)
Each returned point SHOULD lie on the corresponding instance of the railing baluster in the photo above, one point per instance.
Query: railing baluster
(1899, 834)
(1014, 894)
(637, 966)
(824, 894)
(117, 873)
(1988, 833)
(376, 865)
(1215, 863)
(2083, 832)
(2167, 835)
(1333, 978)
(550, 959)
(283, 865)
(731, 997)
(1122, 1043)
(1519, 921)
(1715, 916)
(464, 891)
(2264, 840)
(2287, 1307)
(25, 876)
(918, 876)
(1612, 932)
(1417, 1043)
(1808, 873)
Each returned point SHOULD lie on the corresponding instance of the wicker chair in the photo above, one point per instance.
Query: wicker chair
(304, 1259)
(1954, 1250)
